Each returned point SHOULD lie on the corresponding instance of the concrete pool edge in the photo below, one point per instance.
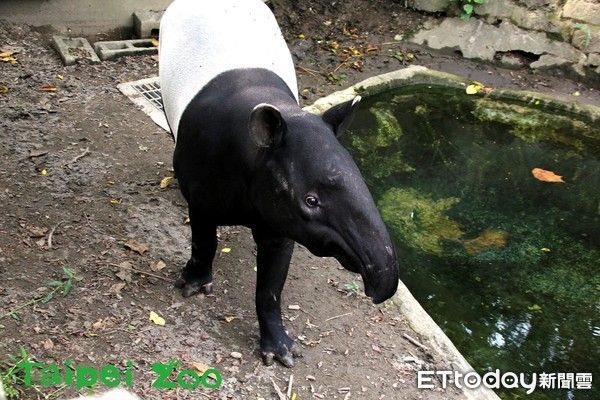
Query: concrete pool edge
(417, 74)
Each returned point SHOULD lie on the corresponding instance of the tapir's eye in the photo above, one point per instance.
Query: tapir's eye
(311, 201)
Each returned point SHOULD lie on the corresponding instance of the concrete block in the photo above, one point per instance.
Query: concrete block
(146, 23)
(120, 48)
(73, 49)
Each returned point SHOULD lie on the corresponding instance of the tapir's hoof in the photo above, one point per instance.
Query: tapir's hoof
(190, 288)
(286, 357)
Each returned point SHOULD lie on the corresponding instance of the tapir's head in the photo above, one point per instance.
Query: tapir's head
(308, 188)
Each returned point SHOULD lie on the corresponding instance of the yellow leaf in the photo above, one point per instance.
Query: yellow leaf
(3, 89)
(301, 36)
(44, 172)
(474, 88)
(293, 396)
(225, 250)
(7, 53)
(157, 319)
(546, 250)
(229, 318)
(199, 366)
(115, 201)
(11, 60)
(60, 77)
(165, 182)
(154, 42)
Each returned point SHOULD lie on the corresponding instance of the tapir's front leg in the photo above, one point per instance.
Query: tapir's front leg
(273, 260)
(196, 276)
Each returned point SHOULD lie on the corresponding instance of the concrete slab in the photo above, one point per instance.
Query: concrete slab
(119, 48)
(146, 23)
(72, 50)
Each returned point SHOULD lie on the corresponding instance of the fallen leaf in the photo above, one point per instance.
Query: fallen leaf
(117, 287)
(37, 153)
(48, 87)
(48, 344)
(225, 250)
(98, 325)
(165, 182)
(115, 201)
(124, 275)
(158, 266)
(545, 250)
(60, 77)
(546, 176)
(44, 172)
(157, 319)
(136, 246)
(228, 319)
(198, 366)
(7, 53)
(154, 42)
(36, 231)
(474, 88)
(3, 89)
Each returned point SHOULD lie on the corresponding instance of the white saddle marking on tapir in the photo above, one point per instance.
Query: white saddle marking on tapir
(200, 39)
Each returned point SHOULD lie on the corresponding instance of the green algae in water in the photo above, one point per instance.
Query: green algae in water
(419, 221)
(507, 265)
(379, 154)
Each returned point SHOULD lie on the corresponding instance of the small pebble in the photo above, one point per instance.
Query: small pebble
(235, 354)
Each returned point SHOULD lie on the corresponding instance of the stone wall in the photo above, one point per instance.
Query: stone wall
(557, 33)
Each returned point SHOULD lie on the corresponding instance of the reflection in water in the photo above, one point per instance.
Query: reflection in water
(506, 264)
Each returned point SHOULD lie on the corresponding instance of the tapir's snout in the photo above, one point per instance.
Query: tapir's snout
(381, 277)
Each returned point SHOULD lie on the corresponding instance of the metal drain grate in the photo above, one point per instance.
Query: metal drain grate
(146, 94)
(151, 91)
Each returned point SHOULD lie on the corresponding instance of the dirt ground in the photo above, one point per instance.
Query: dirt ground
(80, 173)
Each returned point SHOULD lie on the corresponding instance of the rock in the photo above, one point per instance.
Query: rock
(579, 69)
(510, 61)
(539, 20)
(583, 10)
(538, 3)
(580, 38)
(235, 354)
(548, 61)
(479, 40)
(429, 5)
(593, 59)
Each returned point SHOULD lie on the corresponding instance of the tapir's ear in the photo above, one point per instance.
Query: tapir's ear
(266, 125)
(340, 116)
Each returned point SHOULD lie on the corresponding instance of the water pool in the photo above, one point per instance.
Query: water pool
(505, 262)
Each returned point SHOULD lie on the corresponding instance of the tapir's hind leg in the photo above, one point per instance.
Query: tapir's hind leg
(273, 260)
(196, 276)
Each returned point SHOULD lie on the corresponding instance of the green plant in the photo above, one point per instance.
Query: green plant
(9, 377)
(587, 31)
(467, 7)
(351, 288)
(63, 287)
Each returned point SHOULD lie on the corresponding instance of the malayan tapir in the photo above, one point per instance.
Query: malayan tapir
(247, 154)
